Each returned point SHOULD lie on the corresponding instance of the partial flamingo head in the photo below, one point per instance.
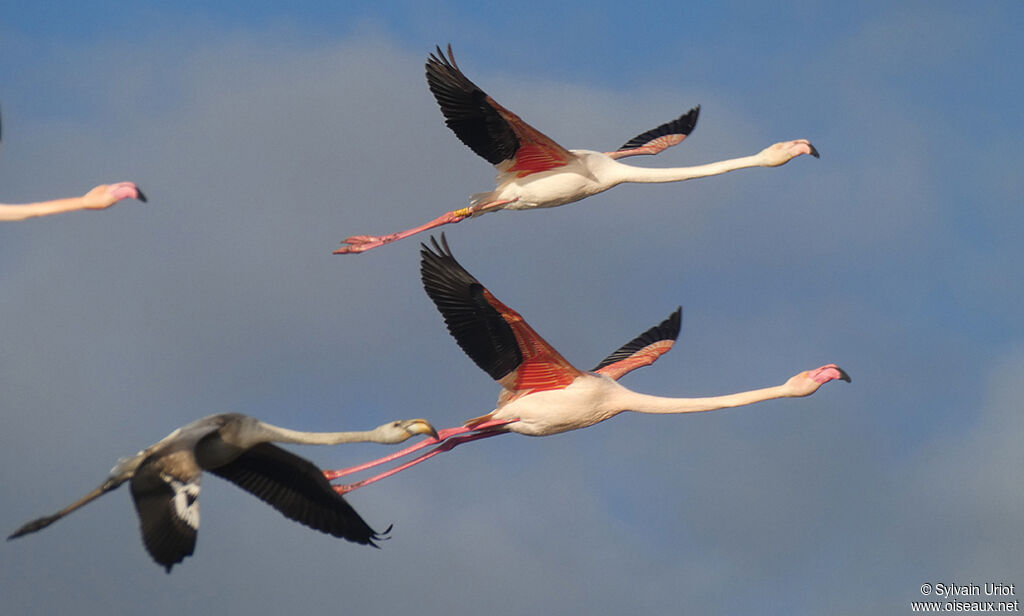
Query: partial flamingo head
(402, 430)
(106, 195)
(126, 190)
(782, 153)
(806, 383)
(828, 372)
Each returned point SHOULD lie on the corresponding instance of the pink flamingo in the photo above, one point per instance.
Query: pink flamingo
(534, 171)
(542, 393)
(99, 198)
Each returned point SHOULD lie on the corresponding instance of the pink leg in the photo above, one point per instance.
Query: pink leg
(362, 243)
(442, 435)
(445, 446)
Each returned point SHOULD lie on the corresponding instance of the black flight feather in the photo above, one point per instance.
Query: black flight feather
(683, 125)
(167, 537)
(298, 489)
(475, 324)
(467, 111)
(666, 330)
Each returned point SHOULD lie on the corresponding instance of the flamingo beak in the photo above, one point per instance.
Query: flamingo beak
(141, 196)
(828, 372)
(420, 426)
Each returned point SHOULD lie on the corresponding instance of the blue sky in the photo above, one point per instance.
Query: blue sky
(264, 133)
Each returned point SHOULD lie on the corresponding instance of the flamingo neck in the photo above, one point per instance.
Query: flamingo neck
(43, 208)
(284, 435)
(677, 174)
(643, 403)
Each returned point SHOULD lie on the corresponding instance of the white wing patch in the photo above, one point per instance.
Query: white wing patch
(185, 500)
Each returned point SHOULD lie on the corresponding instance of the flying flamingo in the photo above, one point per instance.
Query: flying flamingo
(165, 479)
(99, 198)
(534, 171)
(542, 393)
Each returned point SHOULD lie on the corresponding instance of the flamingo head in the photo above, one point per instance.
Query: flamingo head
(106, 195)
(403, 430)
(806, 383)
(782, 153)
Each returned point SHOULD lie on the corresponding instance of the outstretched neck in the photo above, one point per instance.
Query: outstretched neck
(284, 435)
(643, 403)
(678, 174)
(42, 208)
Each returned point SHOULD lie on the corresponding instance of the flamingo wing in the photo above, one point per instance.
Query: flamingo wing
(643, 350)
(297, 488)
(494, 336)
(657, 139)
(168, 507)
(493, 132)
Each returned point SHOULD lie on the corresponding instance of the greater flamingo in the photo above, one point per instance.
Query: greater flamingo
(542, 393)
(165, 479)
(534, 171)
(99, 198)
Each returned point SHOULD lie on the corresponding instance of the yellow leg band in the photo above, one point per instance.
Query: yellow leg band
(464, 212)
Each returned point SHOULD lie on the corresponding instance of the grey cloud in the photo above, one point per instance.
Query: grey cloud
(222, 294)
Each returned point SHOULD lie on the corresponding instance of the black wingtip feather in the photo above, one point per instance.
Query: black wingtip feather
(167, 538)
(298, 490)
(467, 111)
(478, 328)
(683, 125)
(666, 330)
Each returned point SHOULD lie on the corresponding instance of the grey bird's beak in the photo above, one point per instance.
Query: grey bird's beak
(419, 426)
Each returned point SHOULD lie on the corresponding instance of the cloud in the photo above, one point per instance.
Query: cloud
(261, 150)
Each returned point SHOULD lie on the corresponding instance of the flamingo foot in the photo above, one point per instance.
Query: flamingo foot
(348, 487)
(362, 243)
(785, 151)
